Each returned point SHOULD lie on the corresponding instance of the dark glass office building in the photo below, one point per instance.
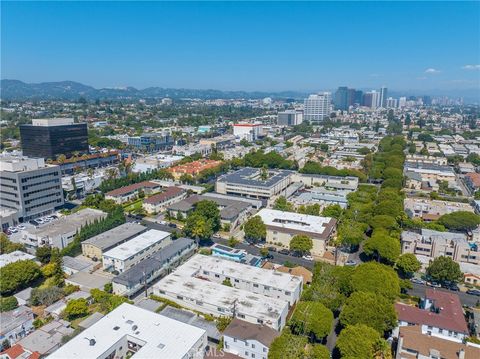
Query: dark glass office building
(49, 141)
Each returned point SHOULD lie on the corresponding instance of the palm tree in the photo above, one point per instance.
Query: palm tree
(61, 158)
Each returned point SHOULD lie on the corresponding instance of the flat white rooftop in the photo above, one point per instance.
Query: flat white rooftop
(15, 256)
(137, 244)
(283, 281)
(162, 337)
(294, 221)
(57, 121)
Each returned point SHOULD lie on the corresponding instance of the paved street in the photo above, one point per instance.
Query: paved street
(466, 299)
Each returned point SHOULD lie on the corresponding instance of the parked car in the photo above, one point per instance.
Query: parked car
(21, 226)
(259, 245)
(434, 284)
(308, 257)
(351, 262)
(417, 280)
(172, 225)
(35, 223)
(284, 251)
(268, 256)
(473, 292)
(272, 249)
(296, 254)
(453, 287)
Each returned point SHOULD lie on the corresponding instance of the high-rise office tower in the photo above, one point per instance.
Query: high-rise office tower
(383, 97)
(375, 99)
(358, 99)
(341, 99)
(367, 99)
(392, 102)
(48, 138)
(351, 97)
(317, 107)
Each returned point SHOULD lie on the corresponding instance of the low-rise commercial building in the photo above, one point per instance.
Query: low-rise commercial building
(253, 183)
(61, 232)
(147, 270)
(95, 247)
(337, 183)
(127, 193)
(247, 131)
(232, 212)
(256, 295)
(322, 196)
(160, 201)
(434, 244)
(130, 331)
(248, 340)
(283, 226)
(129, 253)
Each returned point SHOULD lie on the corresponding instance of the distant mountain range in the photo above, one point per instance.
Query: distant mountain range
(70, 90)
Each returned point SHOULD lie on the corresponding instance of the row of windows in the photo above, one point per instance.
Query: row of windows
(28, 209)
(9, 193)
(26, 179)
(56, 194)
(3, 199)
(14, 188)
(56, 180)
(13, 180)
(57, 187)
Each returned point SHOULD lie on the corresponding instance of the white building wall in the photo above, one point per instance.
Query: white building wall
(247, 349)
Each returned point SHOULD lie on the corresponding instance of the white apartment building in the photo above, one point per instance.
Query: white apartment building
(129, 253)
(257, 295)
(248, 340)
(289, 118)
(283, 226)
(133, 332)
(247, 131)
(317, 107)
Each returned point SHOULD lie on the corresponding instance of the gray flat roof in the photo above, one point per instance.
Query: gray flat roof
(116, 235)
(76, 263)
(91, 320)
(249, 176)
(135, 274)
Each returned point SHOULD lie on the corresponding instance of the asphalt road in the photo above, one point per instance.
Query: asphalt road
(466, 299)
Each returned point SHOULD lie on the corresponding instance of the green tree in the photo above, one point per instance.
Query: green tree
(383, 221)
(370, 309)
(382, 246)
(8, 303)
(18, 275)
(351, 233)
(444, 269)
(301, 243)
(255, 230)
(281, 204)
(358, 341)
(460, 221)
(408, 264)
(7, 246)
(198, 227)
(43, 254)
(334, 210)
(288, 346)
(45, 296)
(209, 210)
(76, 308)
(318, 351)
(312, 319)
(377, 278)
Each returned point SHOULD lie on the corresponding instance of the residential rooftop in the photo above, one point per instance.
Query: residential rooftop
(115, 235)
(160, 337)
(137, 244)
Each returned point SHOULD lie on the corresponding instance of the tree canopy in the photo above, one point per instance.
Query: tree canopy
(301, 243)
(358, 341)
(382, 246)
(288, 346)
(255, 230)
(76, 308)
(444, 268)
(408, 264)
(370, 309)
(460, 221)
(18, 275)
(312, 319)
(377, 278)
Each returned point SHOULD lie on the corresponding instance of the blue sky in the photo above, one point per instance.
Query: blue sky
(244, 45)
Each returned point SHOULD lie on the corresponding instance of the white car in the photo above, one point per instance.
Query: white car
(308, 257)
(21, 226)
(39, 220)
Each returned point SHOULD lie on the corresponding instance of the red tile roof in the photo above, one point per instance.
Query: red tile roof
(131, 188)
(475, 178)
(17, 350)
(169, 193)
(195, 167)
(450, 314)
